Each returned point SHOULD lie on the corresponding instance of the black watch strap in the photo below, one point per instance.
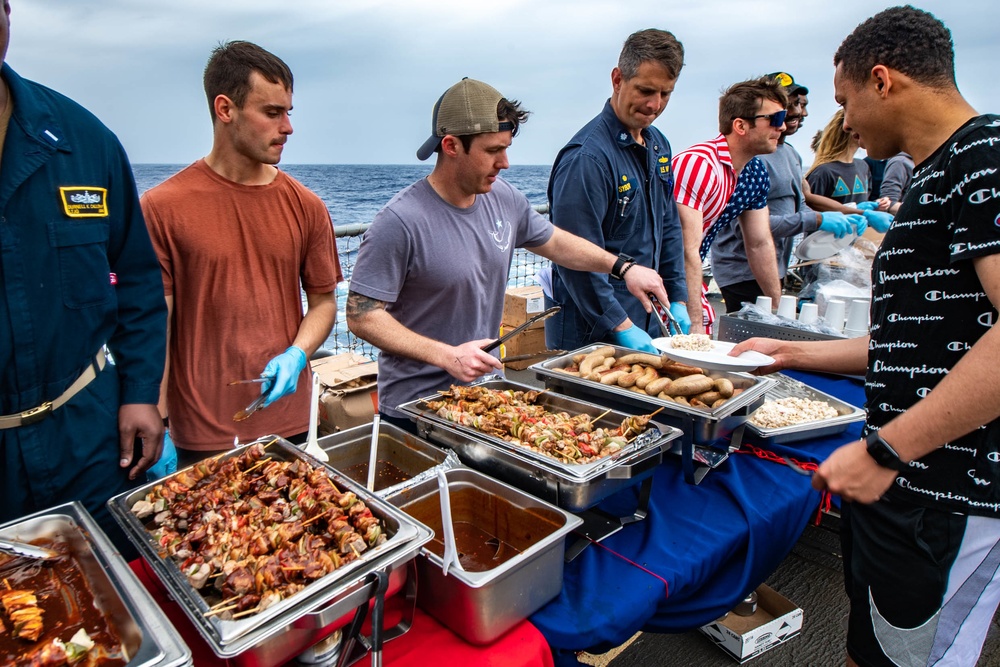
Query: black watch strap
(616, 270)
(883, 453)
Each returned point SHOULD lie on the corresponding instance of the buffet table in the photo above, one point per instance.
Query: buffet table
(699, 551)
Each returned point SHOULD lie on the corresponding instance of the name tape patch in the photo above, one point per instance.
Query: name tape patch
(84, 201)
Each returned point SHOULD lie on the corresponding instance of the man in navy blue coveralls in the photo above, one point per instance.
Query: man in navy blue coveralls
(612, 185)
(77, 271)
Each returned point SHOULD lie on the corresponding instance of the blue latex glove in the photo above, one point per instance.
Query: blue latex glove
(680, 313)
(635, 338)
(837, 224)
(167, 465)
(859, 222)
(879, 220)
(867, 206)
(285, 370)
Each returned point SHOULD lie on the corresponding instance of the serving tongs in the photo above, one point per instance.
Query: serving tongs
(516, 330)
(664, 319)
(257, 404)
(26, 550)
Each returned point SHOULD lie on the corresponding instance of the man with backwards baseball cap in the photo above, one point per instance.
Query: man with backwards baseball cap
(429, 280)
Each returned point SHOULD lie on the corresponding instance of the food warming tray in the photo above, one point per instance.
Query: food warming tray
(575, 487)
(703, 426)
(482, 603)
(289, 621)
(147, 637)
(399, 454)
(785, 387)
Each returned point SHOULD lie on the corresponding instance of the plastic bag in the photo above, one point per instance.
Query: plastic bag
(851, 266)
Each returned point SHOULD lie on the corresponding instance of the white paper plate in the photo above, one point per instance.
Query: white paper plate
(717, 360)
(820, 245)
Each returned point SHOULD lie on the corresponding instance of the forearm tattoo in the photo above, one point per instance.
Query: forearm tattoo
(358, 304)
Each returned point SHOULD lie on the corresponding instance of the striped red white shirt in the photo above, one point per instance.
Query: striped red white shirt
(704, 179)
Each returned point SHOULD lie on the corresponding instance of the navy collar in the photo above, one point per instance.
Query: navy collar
(32, 111)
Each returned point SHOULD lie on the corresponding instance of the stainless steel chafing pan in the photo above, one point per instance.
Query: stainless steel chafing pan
(287, 628)
(703, 426)
(147, 637)
(574, 487)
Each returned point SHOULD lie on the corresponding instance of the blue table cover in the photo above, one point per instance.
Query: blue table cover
(700, 550)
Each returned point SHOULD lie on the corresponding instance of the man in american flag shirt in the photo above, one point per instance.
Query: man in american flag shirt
(721, 180)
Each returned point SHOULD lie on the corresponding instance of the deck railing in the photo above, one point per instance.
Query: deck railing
(522, 272)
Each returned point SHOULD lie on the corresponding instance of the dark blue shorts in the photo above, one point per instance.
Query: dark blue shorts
(923, 583)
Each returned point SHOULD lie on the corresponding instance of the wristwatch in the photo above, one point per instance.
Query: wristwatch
(616, 270)
(883, 453)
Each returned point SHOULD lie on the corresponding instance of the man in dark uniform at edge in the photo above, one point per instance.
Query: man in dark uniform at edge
(612, 185)
(77, 271)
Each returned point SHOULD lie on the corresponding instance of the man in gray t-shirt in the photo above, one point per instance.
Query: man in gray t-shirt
(428, 284)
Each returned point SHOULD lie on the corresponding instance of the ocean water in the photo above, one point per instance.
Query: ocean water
(354, 194)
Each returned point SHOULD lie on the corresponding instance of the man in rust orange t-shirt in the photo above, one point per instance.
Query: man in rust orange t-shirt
(235, 236)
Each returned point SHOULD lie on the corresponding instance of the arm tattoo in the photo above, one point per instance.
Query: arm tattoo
(358, 304)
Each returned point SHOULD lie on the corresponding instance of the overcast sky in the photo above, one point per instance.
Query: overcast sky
(368, 72)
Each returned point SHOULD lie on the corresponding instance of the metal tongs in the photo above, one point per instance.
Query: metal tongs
(18, 548)
(516, 330)
(664, 318)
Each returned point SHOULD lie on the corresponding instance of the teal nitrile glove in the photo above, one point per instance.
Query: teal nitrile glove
(836, 223)
(167, 465)
(867, 206)
(285, 369)
(680, 313)
(635, 338)
(859, 222)
(879, 220)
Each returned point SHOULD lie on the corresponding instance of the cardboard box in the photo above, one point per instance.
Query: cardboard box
(529, 342)
(350, 391)
(745, 637)
(521, 303)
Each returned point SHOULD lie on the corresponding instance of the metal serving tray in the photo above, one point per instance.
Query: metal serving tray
(703, 426)
(410, 456)
(572, 487)
(785, 387)
(315, 607)
(148, 639)
(482, 605)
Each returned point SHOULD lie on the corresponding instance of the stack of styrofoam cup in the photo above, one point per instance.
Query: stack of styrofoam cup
(809, 313)
(857, 318)
(787, 306)
(764, 303)
(836, 311)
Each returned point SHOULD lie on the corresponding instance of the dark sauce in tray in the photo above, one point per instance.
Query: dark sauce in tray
(67, 603)
(386, 474)
(478, 551)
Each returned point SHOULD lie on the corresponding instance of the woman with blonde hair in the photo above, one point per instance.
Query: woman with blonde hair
(836, 174)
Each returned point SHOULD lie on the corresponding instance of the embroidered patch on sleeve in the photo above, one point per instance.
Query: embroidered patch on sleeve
(84, 201)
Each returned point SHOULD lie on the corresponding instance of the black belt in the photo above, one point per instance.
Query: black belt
(42, 411)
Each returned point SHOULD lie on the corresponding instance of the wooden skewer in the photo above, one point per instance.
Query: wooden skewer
(598, 417)
(321, 514)
(657, 411)
(246, 613)
(226, 601)
(213, 612)
(257, 465)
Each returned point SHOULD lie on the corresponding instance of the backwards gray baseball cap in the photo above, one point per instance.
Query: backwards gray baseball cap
(468, 107)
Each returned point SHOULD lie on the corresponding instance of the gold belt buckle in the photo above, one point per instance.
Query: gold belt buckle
(36, 414)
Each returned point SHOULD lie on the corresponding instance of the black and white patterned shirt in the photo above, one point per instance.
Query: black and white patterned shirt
(929, 308)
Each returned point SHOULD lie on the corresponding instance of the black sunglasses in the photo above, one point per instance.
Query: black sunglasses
(776, 119)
